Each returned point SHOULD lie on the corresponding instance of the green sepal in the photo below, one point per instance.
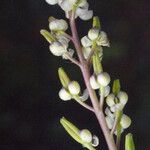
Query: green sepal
(96, 22)
(47, 35)
(129, 142)
(97, 66)
(74, 132)
(116, 86)
(64, 79)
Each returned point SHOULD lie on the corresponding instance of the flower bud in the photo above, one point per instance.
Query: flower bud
(110, 100)
(110, 122)
(52, 2)
(103, 78)
(86, 135)
(95, 141)
(123, 97)
(93, 33)
(58, 24)
(125, 121)
(86, 42)
(88, 14)
(94, 84)
(64, 95)
(57, 49)
(74, 87)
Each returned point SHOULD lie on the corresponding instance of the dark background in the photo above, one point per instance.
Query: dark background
(29, 105)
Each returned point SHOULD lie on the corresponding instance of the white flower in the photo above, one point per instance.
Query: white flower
(85, 95)
(125, 121)
(66, 5)
(57, 48)
(86, 42)
(93, 34)
(103, 78)
(123, 97)
(110, 122)
(74, 87)
(117, 107)
(110, 100)
(95, 141)
(86, 51)
(58, 24)
(102, 39)
(86, 135)
(52, 2)
(94, 84)
(64, 95)
(109, 113)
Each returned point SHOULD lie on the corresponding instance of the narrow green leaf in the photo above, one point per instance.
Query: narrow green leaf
(47, 35)
(129, 142)
(96, 22)
(116, 86)
(64, 79)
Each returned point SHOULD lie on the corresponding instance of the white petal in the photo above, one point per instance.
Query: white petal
(109, 113)
(103, 40)
(87, 15)
(64, 95)
(65, 5)
(106, 90)
(86, 42)
(52, 2)
(86, 52)
(85, 95)
(93, 82)
(95, 141)
(110, 122)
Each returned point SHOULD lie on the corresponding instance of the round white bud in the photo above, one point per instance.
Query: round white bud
(74, 87)
(110, 100)
(110, 122)
(88, 14)
(57, 49)
(103, 78)
(94, 84)
(86, 135)
(125, 121)
(93, 33)
(123, 97)
(58, 24)
(52, 2)
(95, 141)
(64, 95)
(86, 42)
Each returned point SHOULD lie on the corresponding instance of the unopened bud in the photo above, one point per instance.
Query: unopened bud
(94, 84)
(125, 121)
(74, 87)
(110, 100)
(123, 97)
(93, 33)
(95, 141)
(86, 135)
(64, 95)
(103, 78)
(57, 49)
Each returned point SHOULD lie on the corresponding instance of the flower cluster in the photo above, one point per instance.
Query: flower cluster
(80, 6)
(116, 103)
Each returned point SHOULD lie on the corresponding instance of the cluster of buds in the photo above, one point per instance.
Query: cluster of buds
(81, 8)
(116, 102)
(57, 38)
(95, 39)
(83, 136)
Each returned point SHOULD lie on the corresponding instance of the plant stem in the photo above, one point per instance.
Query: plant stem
(86, 75)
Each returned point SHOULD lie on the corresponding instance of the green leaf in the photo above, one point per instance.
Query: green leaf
(47, 35)
(64, 79)
(97, 66)
(116, 86)
(129, 142)
(96, 22)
